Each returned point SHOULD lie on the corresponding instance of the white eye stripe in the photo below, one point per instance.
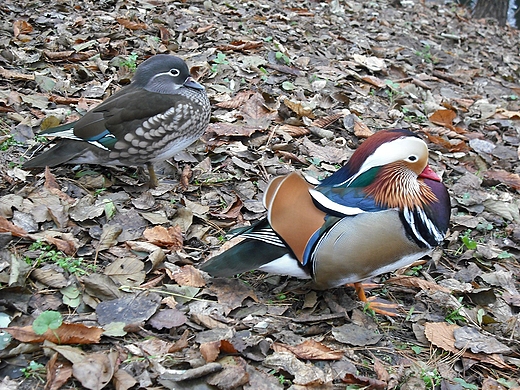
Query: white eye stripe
(175, 72)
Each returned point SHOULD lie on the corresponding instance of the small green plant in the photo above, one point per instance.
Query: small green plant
(34, 370)
(48, 319)
(431, 378)
(454, 316)
(8, 143)
(130, 62)
(48, 254)
(393, 91)
(281, 378)
(468, 242)
(220, 59)
(282, 57)
(414, 271)
(425, 54)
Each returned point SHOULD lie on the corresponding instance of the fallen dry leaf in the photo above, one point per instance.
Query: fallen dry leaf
(364, 381)
(132, 25)
(170, 238)
(440, 334)
(65, 334)
(189, 276)
(236, 101)
(8, 227)
(443, 118)
(310, 349)
(58, 372)
(412, 281)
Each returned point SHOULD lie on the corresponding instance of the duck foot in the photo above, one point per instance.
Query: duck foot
(376, 304)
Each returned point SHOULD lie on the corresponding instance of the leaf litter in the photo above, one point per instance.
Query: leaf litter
(293, 86)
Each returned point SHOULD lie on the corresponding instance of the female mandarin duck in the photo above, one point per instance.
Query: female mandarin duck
(383, 210)
(160, 113)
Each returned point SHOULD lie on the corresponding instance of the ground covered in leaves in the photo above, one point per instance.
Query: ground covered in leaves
(99, 284)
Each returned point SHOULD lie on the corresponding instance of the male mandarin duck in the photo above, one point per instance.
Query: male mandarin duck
(161, 112)
(383, 210)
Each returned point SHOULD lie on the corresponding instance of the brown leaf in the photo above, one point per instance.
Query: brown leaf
(210, 351)
(299, 109)
(380, 370)
(188, 275)
(8, 227)
(54, 188)
(361, 130)
(237, 101)
(441, 335)
(170, 238)
(165, 34)
(186, 175)
(202, 30)
(231, 130)
(294, 131)
(96, 369)
(66, 334)
(71, 56)
(232, 212)
(231, 292)
(240, 45)
(310, 349)
(21, 27)
(508, 178)
(327, 120)
(12, 75)
(454, 146)
(123, 380)
(256, 114)
(66, 246)
(131, 25)
(375, 81)
(180, 344)
(364, 381)
(412, 281)
(443, 118)
(58, 372)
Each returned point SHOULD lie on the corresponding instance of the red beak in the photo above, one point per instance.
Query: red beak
(428, 173)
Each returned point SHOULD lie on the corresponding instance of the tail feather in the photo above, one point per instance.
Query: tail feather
(260, 245)
(67, 151)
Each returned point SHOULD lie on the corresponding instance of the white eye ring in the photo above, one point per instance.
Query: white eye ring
(412, 158)
(175, 72)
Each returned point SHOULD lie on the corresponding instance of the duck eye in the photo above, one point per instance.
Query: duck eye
(175, 72)
(412, 158)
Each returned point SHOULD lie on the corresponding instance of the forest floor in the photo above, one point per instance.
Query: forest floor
(108, 267)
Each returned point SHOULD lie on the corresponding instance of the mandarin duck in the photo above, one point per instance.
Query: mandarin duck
(383, 210)
(161, 112)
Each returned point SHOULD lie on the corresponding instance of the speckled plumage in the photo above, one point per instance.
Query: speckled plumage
(159, 114)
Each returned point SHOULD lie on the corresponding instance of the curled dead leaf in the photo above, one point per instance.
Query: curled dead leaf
(188, 275)
(170, 238)
(132, 25)
(65, 334)
(310, 349)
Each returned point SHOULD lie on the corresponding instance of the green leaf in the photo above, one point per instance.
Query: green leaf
(465, 384)
(47, 320)
(114, 329)
(288, 86)
(469, 243)
(416, 349)
(5, 338)
(110, 208)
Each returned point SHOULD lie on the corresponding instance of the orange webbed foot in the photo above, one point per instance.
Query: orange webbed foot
(375, 304)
